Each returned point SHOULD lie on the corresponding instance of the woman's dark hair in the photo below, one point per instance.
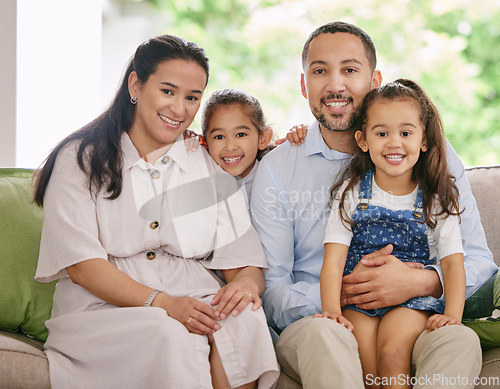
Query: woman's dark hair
(334, 27)
(431, 170)
(248, 103)
(99, 154)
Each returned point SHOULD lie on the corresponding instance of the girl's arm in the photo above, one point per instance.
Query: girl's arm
(454, 292)
(331, 283)
(191, 141)
(244, 285)
(331, 277)
(107, 282)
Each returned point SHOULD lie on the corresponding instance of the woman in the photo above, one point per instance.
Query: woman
(134, 230)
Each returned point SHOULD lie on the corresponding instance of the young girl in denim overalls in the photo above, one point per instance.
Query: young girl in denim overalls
(399, 192)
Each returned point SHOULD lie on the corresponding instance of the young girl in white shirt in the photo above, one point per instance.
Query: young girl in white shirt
(236, 134)
(398, 192)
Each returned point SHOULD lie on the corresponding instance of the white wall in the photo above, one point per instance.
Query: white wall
(58, 72)
(60, 66)
(8, 82)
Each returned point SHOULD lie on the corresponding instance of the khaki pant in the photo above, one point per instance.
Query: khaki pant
(320, 353)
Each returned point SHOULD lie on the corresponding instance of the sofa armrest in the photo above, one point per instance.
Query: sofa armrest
(23, 364)
(485, 184)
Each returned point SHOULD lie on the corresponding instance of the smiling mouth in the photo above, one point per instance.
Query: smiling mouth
(230, 160)
(394, 157)
(169, 121)
(337, 104)
(336, 101)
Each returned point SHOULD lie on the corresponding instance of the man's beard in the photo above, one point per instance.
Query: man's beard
(335, 127)
(337, 124)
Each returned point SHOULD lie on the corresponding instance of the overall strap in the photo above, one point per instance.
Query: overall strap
(365, 189)
(418, 211)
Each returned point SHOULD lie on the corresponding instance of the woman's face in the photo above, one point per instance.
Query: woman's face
(166, 103)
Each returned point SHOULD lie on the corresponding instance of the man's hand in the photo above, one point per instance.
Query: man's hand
(296, 135)
(382, 280)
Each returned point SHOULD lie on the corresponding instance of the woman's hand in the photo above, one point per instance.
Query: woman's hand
(198, 317)
(336, 317)
(244, 285)
(233, 298)
(296, 135)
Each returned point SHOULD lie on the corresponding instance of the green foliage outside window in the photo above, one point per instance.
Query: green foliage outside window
(451, 47)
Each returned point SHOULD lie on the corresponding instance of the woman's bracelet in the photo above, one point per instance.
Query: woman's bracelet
(151, 297)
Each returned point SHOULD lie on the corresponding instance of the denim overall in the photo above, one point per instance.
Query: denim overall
(376, 226)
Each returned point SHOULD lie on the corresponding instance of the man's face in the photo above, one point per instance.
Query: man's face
(337, 78)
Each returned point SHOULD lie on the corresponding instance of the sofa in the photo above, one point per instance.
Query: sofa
(25, 304)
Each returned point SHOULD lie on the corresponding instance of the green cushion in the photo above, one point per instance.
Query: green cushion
(25, 304)
(482, 314)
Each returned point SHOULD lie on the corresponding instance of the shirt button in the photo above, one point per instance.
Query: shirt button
(164, 160)
(155, 174)
(154, 225)
(151, 255)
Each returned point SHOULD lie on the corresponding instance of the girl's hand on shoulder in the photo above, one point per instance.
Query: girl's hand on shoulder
(296, 135)
(191, 141)
(233, 298)
(338, 318)
(199, 318)
(437, 321)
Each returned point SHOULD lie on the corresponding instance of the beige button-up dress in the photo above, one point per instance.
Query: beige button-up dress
(174, 225)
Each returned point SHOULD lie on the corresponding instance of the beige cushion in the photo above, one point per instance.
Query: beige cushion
(23, 364)
(491, 364)
(485, 183)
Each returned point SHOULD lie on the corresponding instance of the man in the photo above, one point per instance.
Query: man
(290, 210)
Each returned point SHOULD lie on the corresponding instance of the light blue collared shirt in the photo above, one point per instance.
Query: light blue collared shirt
(290, 208)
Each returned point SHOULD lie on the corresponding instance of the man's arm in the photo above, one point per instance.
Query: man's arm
(284, 299)
(478, 260)
(382, 280)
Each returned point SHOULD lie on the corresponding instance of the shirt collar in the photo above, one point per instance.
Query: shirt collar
(129, 152)
(177, 152)
(250, 174)
(315, 144)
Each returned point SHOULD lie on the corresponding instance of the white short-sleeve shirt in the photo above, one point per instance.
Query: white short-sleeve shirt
(445, 239)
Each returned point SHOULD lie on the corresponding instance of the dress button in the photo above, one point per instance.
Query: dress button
(164, 160)
(151, 255)
(155, 174)
(154, 225)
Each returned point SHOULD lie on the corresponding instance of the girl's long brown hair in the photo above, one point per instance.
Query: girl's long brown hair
(431, 170)
(99, 153)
